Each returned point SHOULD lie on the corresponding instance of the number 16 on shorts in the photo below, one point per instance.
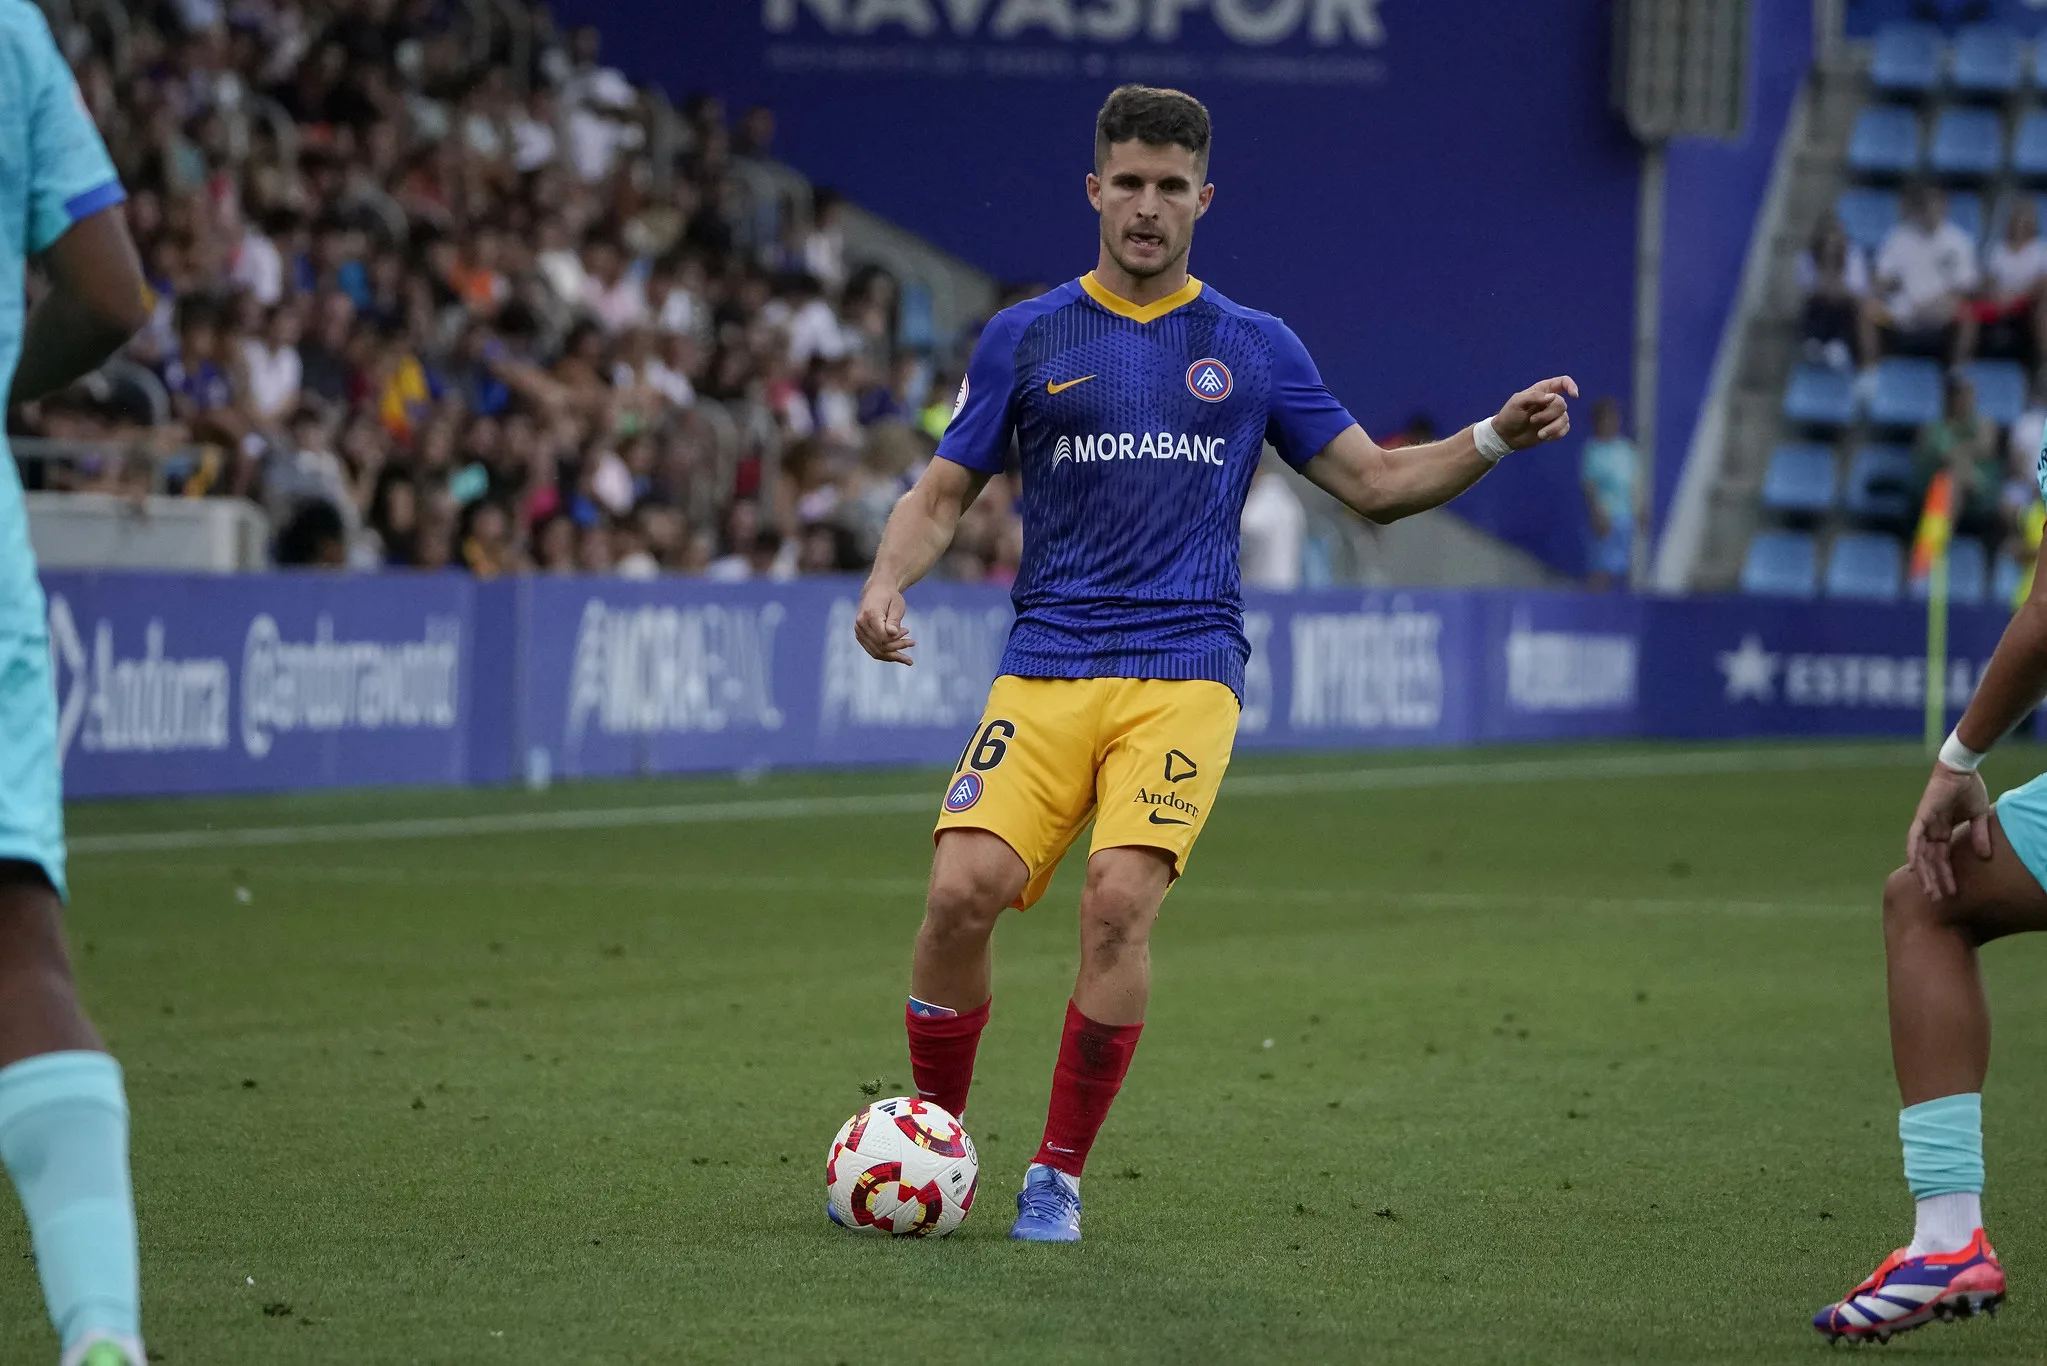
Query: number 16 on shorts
(984, 752)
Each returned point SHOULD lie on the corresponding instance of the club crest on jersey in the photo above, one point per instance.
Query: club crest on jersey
(1209, 380)
(965, 791)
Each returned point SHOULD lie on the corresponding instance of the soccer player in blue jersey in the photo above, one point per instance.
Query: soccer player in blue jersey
(63, 1112)
(1140, 401)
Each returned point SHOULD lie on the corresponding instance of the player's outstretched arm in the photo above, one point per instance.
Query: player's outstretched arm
(918, 531)
(96, 301)
(1384, 486)
(2013, 684)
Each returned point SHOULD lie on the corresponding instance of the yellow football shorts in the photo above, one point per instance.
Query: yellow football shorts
(1143, 757)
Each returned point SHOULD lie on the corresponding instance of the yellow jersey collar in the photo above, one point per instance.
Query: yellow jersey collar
(1141, 313)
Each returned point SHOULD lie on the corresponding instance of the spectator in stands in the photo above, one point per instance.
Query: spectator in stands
(313, 538)
(824, 246)
(1274, 527)
(939, 403)
(2012, 309)
(631, 555)
(1963, 442)
(1925, 275)
(1833, 277)
(1609, 472)
(272, 369)
(2028, 436)
(468, 321)
(554, 546)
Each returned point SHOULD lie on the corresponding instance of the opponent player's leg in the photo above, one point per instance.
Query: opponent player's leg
(63, 1112)
(1940, 1046)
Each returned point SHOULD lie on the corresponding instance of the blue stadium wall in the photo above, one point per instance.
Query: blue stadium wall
(1437, 196)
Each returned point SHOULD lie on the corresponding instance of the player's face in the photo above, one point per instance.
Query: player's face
(1149, 198)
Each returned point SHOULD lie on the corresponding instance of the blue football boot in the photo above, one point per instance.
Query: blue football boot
(1047, 1209)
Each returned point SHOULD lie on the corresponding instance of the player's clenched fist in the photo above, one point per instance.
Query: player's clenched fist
(879, 625)
(1537, 414)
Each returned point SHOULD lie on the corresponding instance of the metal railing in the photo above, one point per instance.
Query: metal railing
(140, 452)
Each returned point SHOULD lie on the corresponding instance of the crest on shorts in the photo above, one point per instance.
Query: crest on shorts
(1208, 379)
(1179, 767)
(964, 792)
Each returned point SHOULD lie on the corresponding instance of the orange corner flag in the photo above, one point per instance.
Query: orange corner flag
(1936, 524)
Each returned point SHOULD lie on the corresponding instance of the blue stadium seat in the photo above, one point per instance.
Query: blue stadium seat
(1819, 397)
(1907, 392)
(1883, 486)
(1988, 61)
(2004, 581)
(1968, 574)
(2040, 66)
(2000, 389)
(1865, 565)
(1885, 141)
(1965, 211)
(1906, 59)
(1967, 144)
(2029, 148)
(915, 329)
(1781, 564)
(1867, 215)
(1799, 481)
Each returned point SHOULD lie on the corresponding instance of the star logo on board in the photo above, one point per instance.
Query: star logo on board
(1751, 671)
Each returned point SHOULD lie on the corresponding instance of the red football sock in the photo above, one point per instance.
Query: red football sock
(942, 1054)
(1092, 1060)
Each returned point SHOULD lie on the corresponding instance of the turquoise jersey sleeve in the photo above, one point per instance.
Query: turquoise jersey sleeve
(70, 175)
(984, 416)
(2040, 464)
(1303, 416)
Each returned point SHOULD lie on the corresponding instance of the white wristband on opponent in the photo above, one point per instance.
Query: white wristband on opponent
(1958, 756)
(1491, 445)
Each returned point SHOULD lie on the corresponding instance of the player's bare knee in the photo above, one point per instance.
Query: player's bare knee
(963, 904)
(1115, 914)
(1906, 904)
(1908, 909)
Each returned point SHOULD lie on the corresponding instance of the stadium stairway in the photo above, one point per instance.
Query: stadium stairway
(1767, 347)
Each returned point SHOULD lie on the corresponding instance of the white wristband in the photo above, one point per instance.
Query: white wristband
(1958, 756)
(1492, 447)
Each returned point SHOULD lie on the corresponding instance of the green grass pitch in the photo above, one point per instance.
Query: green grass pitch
(1450, 1059)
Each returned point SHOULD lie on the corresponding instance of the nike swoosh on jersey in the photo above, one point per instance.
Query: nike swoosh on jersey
(1060, 386)
(1157, 819)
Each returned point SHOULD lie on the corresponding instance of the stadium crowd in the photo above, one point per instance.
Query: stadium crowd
(437, 299)
(1930, 291)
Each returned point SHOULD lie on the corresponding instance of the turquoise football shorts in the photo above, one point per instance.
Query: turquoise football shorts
(2023, 814)
(31, 778)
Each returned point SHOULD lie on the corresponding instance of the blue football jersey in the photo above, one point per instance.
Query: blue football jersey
(54, 171)
(1139, 430)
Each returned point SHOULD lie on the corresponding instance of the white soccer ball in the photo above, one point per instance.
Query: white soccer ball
(904, 1168)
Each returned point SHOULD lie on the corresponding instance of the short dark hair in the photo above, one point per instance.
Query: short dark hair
(1158, 118)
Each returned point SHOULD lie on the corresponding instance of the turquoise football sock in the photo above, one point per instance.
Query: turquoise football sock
(64, 1138)
(1943, 1145)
